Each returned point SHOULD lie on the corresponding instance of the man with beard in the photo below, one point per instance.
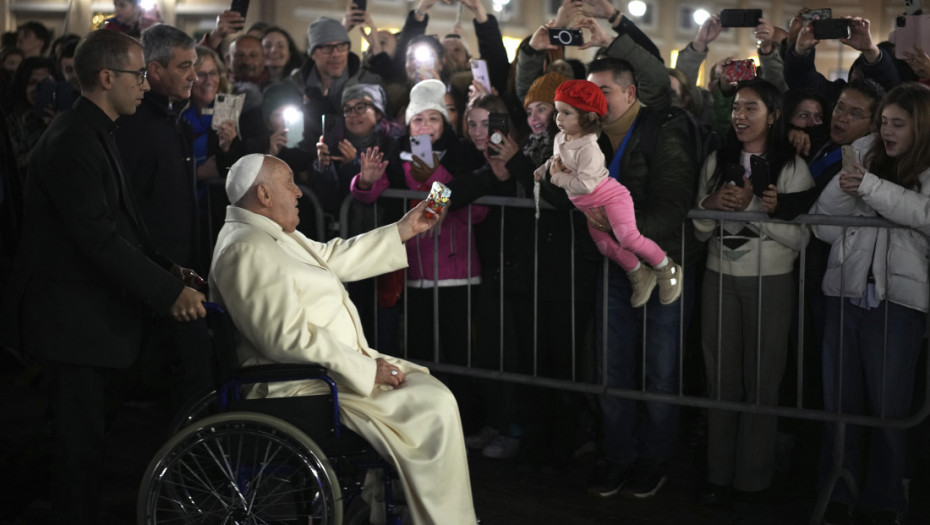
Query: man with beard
(332, 68)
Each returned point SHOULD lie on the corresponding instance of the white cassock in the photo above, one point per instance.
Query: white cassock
(285, 296)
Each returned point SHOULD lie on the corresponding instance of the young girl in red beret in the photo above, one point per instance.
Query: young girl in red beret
(577, 165)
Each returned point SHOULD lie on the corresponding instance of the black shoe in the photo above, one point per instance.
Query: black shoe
(647, 479)
(885, 517)
(608, 479)
(838, 514)
(715, 495)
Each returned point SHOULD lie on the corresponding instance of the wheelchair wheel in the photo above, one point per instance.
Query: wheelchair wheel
(240, 468)
(194, 410)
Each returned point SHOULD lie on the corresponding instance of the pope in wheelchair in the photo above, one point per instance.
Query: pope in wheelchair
(285, 297)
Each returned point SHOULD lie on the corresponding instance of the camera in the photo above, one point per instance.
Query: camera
(830, 28)
(565, 36)
(817, 14)
(740, 17)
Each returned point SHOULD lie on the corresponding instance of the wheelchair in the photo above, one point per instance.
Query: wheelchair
(260, 461)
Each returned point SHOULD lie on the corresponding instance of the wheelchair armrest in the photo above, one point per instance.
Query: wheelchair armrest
(229, 392)
(278, 372)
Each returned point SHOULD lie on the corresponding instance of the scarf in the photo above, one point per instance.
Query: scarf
(617, 129)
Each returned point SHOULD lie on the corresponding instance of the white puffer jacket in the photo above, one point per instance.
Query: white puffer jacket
(897, 257)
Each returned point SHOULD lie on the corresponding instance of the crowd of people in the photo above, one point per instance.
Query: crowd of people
(633, 144)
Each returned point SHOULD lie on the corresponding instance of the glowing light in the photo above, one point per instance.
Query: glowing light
(291, 114)
(636, 8)
(700, 16)
(423, 54)
(147, 5)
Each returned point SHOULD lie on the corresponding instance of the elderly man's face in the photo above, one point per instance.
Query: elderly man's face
(246, 59)
(284, 194)
(331, 59)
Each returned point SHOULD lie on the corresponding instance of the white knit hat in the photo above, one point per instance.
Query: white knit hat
(427, 94)
(242, 175)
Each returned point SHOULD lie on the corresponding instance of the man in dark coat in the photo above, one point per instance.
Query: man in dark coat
(86, 274)
(156, 145)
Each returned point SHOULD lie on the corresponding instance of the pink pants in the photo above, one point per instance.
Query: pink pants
(629, 243)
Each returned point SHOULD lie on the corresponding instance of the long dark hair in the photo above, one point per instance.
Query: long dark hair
(778, 151)
(903, 170)
(16, 103)
(296, 59)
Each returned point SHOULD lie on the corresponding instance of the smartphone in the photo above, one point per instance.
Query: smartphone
(740, 17)
(294, 122)
(817, 14)
(831, 28)
(565, 36)
(361, 5)
(498, 128)
(424, 60)
(240, 6)
(910, 30)
(734, 174)
(739, 70)
(44, 96)
(760, 176)
(850, 156)
(420, 146)
(479, 71)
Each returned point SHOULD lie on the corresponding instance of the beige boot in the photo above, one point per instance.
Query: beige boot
(669, 278)
(643, 281)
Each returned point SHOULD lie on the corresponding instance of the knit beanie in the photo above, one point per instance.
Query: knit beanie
(427, 94)
(583, 95)
(543, 88)
(371, 93)
(324, 31)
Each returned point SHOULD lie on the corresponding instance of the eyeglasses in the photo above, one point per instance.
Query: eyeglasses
(853, 113)
(357, 109)
(141, 74)
(327, 49)
(203, 75)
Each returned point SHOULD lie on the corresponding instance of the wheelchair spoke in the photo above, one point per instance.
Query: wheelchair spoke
(240, 471)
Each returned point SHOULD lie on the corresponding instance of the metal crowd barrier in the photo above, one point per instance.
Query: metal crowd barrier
(577, 384)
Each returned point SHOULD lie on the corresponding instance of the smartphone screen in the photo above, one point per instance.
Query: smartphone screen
(294, 122)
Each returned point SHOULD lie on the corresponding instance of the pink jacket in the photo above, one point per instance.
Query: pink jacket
(454, 239)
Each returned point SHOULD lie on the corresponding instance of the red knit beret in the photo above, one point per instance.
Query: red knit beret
(583, 95)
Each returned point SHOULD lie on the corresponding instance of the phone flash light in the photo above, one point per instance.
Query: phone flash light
(291, 114)
(423, 54)
(147, 4)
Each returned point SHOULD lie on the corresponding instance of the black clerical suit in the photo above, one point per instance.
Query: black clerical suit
(84, 279)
